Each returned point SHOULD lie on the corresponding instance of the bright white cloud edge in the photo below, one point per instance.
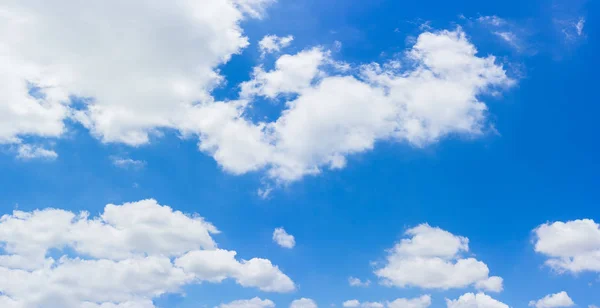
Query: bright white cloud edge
(557, 300)
(283, 239)
(432, 258)
(571, 247)
(135, 252)
(472, 300)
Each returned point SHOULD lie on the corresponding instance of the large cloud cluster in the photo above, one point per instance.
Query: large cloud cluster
(138, 67)
(128, 255)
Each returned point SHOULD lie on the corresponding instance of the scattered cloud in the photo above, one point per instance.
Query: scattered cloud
(27, 152)
(471, 300)
(274, 43)
(283, 239)
(355, 303)
(337, 46)
(417, 302)
(355, 282)
(510, 32)
(135, 252)
(557, 300)
(303, 303)
(351, 303)
(572, 29)
(292, 74)
(174, 88)
(431, 259)
(128, 163)
(509, 37)
(492, 20)
(381, 103)
(492, 284)
(264, 192)
(249, 303)
(372, 305)
(572, 246)
(579, 26)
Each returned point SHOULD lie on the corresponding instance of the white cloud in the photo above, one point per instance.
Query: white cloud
(337, 45)
(508, 37)
(372, 305)
(470, 300)
(431, 258)
(579, 26)
(492, 284)
(512, 33)
(379, 104)
(129, 304)
(355, 282)
(492, 20)
(351, 303)
(572, 28)
(135, 252)
(249, 303)
(572, 246)
(417, 302)
(217, 265)
(127, 163)
(274, 43)
(303, 303)
(292, 74)
(264, 192)
(168, 52)
(283, 239)
(355, 303)
(27, 151)
(560, 299)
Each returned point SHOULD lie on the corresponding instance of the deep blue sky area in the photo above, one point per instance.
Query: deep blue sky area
(539, 164)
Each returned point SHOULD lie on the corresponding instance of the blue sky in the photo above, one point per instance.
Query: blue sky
(518, 179)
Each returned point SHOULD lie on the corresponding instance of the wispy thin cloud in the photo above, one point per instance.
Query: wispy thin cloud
(28, 152)
(128, 163)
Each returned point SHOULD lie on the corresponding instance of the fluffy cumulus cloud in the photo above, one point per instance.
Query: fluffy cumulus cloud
(356, 282)
(432, 258)
(471, 300)
(169, 52)
(560, 299)
(417, 302)
(436, 95)
(303, 303)
(572, 246)
(274, 43)
(292, 74)
(249, 303)
(283, 239)
(166, 51)
(135, 252)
